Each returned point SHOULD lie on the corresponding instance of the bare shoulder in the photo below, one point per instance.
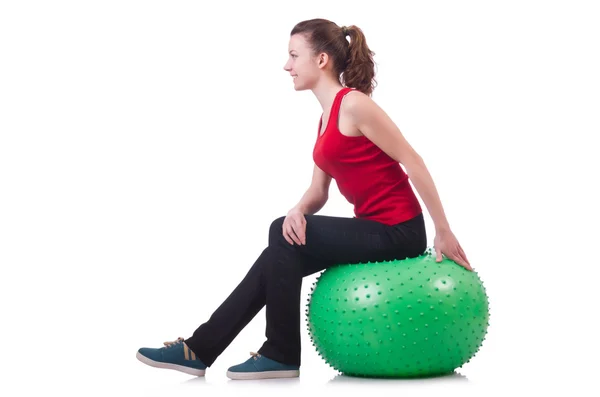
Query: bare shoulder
(358, 106)
(353, 100)
(356, 101)
(355, 97)
(375, 124)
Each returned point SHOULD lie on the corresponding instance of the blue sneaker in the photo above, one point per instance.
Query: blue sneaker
(261, 367)
(175, 355)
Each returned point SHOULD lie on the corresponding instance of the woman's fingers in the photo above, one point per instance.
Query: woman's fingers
(292, 234)
(464, 257)
(298, 234)
(294, 230)
(286, 237)
(462, 252)
(300, 230)
(461, 260)
(286, 232)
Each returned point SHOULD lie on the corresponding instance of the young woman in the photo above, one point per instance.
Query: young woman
(361, 148)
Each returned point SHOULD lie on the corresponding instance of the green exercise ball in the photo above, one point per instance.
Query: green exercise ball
(405, 318)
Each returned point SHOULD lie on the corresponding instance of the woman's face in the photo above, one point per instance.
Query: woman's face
(301, 64)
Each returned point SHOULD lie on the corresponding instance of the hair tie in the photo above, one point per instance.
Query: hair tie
(345, 30)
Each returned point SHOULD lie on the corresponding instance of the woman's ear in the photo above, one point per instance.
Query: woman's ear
(323, 58)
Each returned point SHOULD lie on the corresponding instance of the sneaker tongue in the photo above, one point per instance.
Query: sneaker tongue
(174, 343)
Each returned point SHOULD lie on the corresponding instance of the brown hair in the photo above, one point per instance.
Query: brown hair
(353, 62)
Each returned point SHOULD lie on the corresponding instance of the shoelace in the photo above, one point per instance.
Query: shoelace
(173, 343)
(255, 355)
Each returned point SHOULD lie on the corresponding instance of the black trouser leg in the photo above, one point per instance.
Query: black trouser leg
(275, 279)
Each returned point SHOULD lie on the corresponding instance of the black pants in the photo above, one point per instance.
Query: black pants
(275, 279)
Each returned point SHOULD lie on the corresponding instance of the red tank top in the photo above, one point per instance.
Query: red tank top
(366, 176)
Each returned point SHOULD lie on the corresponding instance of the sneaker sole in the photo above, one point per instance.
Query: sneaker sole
(262, 375)
(180, 368)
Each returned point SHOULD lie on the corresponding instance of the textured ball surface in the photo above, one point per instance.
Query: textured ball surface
(405, 318)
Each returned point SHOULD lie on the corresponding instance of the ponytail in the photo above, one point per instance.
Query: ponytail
(359, 71)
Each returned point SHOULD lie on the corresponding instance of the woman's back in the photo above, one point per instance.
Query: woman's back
(366, 176)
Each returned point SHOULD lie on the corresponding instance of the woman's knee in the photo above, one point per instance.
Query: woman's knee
(276, 231)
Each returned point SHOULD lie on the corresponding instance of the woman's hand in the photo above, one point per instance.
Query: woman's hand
(446, 243)
(294, 227)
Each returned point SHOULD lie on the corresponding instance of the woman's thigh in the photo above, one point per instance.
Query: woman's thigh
(335, 240)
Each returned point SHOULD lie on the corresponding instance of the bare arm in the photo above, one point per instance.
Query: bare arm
(316, 195)
(378, 127)
(419, 175)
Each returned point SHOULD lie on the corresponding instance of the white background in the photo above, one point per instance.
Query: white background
(146, 146)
